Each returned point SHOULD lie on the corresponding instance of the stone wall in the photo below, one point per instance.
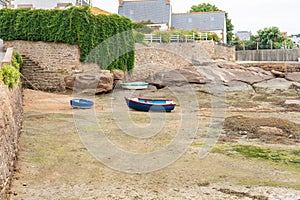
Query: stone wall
(162, 57)
(218, 51)
(159, 58)
(46, 64)
(269, 55)
(278, 66)
(10, 127)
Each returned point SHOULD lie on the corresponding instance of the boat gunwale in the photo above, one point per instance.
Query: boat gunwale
(151, 104)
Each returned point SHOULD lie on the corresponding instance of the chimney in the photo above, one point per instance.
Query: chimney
(121, 3)
(168, 2)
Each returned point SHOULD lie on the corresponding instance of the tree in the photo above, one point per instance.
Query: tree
(272, 38)
(206, 7)
(267, 38)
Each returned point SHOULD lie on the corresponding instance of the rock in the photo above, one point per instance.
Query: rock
(118, 74)
(69, 81)
(106, 82)
(99, 83)
(273, 86)
(151, 88)
(177, 77)
(250, 76)
(278, 74)
(295, 76)
(239, 86)
(266, 130)
(117, 84)
(227, 72)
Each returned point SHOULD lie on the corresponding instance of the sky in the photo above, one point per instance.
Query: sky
(245, 15)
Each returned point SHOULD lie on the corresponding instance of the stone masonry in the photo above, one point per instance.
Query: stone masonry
(10, 127)
(46, 64)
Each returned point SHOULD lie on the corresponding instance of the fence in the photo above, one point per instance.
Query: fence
(268, 55)
(175, 38)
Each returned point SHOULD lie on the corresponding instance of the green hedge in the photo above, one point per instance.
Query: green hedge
(104, 39)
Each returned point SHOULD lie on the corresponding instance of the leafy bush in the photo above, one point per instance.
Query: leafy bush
(9, 75)
(213, 36)
(138, 37)
(75, 25)
(17, 60)
(165, 35)
(141, 27)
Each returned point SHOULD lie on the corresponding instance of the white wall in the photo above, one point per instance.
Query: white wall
(162, 27)
(44, 4)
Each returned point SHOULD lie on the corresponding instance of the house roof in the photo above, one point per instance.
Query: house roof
(202, 21)
(157, 11)
(98, 11)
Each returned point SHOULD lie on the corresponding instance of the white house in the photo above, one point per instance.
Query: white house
(156, 11)
(159, 12)
(46, 4)
(202, 22)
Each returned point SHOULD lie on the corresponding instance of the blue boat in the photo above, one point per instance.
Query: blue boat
(144, 104)
(81, 103)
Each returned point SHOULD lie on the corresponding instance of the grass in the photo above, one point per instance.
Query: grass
(287, 157)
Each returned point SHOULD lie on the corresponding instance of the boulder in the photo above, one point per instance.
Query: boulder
(227, 72)
(234, 86)
(250, 76)
(177, 77)
(278, 74)
(266, 130)
(295, 76)
(98, 83)
(273, 86)
(118, 74)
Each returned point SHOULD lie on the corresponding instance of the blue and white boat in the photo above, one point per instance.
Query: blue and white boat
(81, 103)
(135, 85)
(144, 104)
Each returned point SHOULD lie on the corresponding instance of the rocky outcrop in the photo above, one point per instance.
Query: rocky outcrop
(95, 83)
(10, 127)
(176, 77)
(295, 77)
(276, 85)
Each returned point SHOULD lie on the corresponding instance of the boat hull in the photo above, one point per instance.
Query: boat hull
(81, 103)
(135, 85)
(157, 105)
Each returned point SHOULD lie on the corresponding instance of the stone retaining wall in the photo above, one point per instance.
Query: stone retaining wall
(46, 64)
(218, 51)
(278, 66)
(10, 127)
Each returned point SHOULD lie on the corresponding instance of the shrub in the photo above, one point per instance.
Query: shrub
(213, 36)
(138, 37)
(17, 60)
(9, 75)
(165, 35)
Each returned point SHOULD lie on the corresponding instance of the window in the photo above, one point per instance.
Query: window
(131, 12)
(190, 20)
